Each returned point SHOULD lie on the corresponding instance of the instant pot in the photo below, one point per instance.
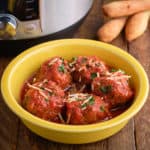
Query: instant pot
(24, 23)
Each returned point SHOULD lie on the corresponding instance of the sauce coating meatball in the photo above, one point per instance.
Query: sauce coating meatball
(82, 108)
(86, 68)
(83, 90)
(114, 88)
(44, 99)
(57, 70)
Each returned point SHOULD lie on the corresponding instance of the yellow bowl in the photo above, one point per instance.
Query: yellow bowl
(25, 64)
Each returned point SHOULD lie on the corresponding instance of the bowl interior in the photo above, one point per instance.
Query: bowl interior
(25, 64)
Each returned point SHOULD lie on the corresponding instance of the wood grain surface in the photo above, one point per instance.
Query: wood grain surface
(134, 136)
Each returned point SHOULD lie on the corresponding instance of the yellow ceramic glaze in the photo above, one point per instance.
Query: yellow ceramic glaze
(25, 64)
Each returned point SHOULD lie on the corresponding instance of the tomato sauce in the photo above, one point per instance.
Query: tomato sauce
(83, 90)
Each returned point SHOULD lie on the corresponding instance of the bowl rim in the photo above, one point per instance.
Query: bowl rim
(24, 115)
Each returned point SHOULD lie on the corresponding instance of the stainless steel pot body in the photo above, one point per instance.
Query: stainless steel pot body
(26, 19)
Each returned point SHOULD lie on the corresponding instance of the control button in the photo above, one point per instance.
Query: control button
(30, 28)
(7, 27)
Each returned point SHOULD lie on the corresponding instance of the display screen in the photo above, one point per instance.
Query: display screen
(21, 9)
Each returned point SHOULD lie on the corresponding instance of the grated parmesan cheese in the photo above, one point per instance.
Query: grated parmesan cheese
(98, 75)
(82, 68)
(80, 79)
(61, 118)
(38, 89)
(68, 118)
(82, 88)
(52, 61)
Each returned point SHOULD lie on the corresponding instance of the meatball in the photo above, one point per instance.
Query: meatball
(82, 108)
(57, 70)
(81, 91)
(114, 88)
(86, 68)
(45, 99)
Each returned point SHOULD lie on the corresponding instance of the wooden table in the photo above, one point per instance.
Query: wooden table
(136, 135)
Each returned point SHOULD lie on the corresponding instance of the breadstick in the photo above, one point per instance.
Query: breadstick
(125, 8)
(111, 29)
(137, 25)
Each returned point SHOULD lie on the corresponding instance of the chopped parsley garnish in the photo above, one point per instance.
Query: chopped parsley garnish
(91, 101)
(42, 88)
(73, 61)
(105, 89)
(122, 71)
(83, 105)
(79, 99)
(74, 58)
(93, 75)
(61, 68)
(102, 109)
(84, 59)
(113, 70)
(46, 99)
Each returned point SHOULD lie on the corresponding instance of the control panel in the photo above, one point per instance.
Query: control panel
(21, 17)
(24, 9)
